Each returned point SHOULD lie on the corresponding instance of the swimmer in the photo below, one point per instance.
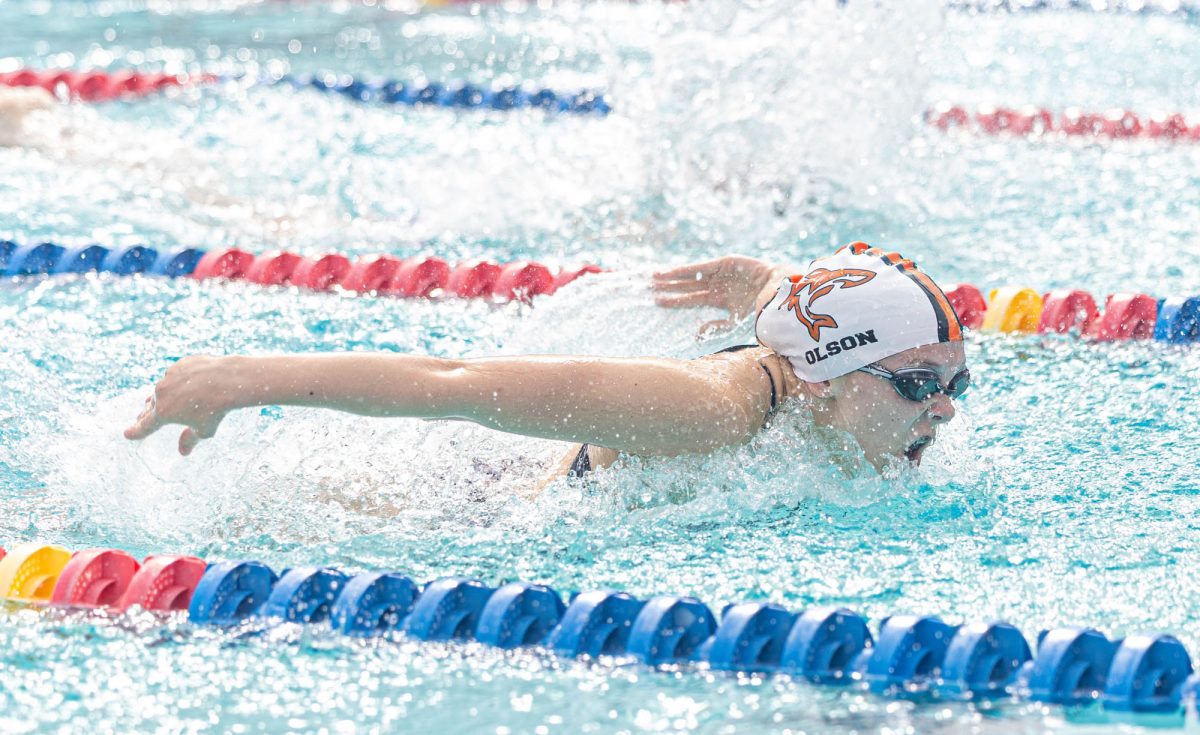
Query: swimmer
(19, 112)
(863, 337)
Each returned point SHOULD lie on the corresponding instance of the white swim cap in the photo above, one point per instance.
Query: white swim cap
(852, 308)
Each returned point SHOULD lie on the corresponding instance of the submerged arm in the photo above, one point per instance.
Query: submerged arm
(640, 405)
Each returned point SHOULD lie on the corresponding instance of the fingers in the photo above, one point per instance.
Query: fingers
(688, 272)
(700, 298)
(148, 422)
(682, 286)
(717, 325)
(188, 439)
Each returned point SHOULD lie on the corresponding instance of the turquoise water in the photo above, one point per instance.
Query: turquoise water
(1066, 493)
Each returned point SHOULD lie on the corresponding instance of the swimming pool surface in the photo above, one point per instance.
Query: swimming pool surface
(1066, 493)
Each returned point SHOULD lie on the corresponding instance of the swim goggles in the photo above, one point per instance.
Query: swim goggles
(917, 384)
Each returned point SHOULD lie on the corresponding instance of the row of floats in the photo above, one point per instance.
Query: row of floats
(1008, 309)
(103, 86)
(1026, 120)
(1022, 310)
(1029, 120)
(907, 656)
(454, 94)
(381, 274)
(97, 85)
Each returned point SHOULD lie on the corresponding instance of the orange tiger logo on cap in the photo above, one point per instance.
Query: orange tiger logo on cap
(821, 282)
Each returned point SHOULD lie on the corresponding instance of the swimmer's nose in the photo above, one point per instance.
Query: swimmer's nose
(941, 408)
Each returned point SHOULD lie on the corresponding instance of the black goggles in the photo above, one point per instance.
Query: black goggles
(917, 384)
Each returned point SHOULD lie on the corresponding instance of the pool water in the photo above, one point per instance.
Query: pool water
(1066, 493)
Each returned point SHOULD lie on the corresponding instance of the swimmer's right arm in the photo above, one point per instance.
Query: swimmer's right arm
(647, 406)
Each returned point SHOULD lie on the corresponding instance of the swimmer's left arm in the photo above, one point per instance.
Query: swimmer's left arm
(636, 405)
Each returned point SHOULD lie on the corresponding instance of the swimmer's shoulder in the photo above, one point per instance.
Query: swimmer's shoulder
(758, 368)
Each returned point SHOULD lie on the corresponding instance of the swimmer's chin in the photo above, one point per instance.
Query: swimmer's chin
(892, 466)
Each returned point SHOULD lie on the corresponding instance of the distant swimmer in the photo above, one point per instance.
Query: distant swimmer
(866, 340)
(17, 108)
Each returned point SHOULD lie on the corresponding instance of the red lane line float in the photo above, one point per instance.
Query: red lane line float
(523, 280)
(1167, 126)
(1065, 310)
(1115, 123)
(473, 279)
(1014, 310)
(94, 86)
(419, 277)
(371, 273)
(227, 263)
(968, 303)
(94, 578)
(22, 78)
(272, 269)
(322, 273)
(1127, 316)
(164, 583)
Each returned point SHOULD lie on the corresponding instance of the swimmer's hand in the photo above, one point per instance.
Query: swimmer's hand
(736, 283)
(192, 393)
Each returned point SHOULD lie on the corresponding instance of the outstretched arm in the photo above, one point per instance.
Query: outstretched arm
(638, 405)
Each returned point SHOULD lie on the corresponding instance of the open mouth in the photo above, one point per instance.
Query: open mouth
(917, 448)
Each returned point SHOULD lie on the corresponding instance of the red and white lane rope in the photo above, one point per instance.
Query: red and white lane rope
(1034, 121)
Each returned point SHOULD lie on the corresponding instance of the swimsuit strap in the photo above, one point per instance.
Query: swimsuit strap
(582, 464)
(770, 378)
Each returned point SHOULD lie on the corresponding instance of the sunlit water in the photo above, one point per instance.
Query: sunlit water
(1066, 493)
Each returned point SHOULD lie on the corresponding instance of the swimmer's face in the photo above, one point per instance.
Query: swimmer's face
(887, 425)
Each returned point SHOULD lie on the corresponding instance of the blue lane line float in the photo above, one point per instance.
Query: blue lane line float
(374, 604)
(83, 259)
(669, 630)
(448, 609)
(451, 94)
(1148, 674)
(304, 595)
(750, 638)
(176, 263)
(33, 260)
(231, 591)
(47, 258)
(596, 623)
(1178, 320)
(824, 643)
(129, 261)
(908, 655)
(519, 614)
(1071, 666)
(983, 660)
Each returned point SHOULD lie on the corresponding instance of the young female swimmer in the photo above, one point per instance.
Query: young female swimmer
(863, 336)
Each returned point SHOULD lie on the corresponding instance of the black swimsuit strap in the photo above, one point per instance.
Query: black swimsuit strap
(582, 464)
(770, 378)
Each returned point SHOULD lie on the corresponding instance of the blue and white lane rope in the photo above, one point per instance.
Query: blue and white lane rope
(908, 656)
(457, 94)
